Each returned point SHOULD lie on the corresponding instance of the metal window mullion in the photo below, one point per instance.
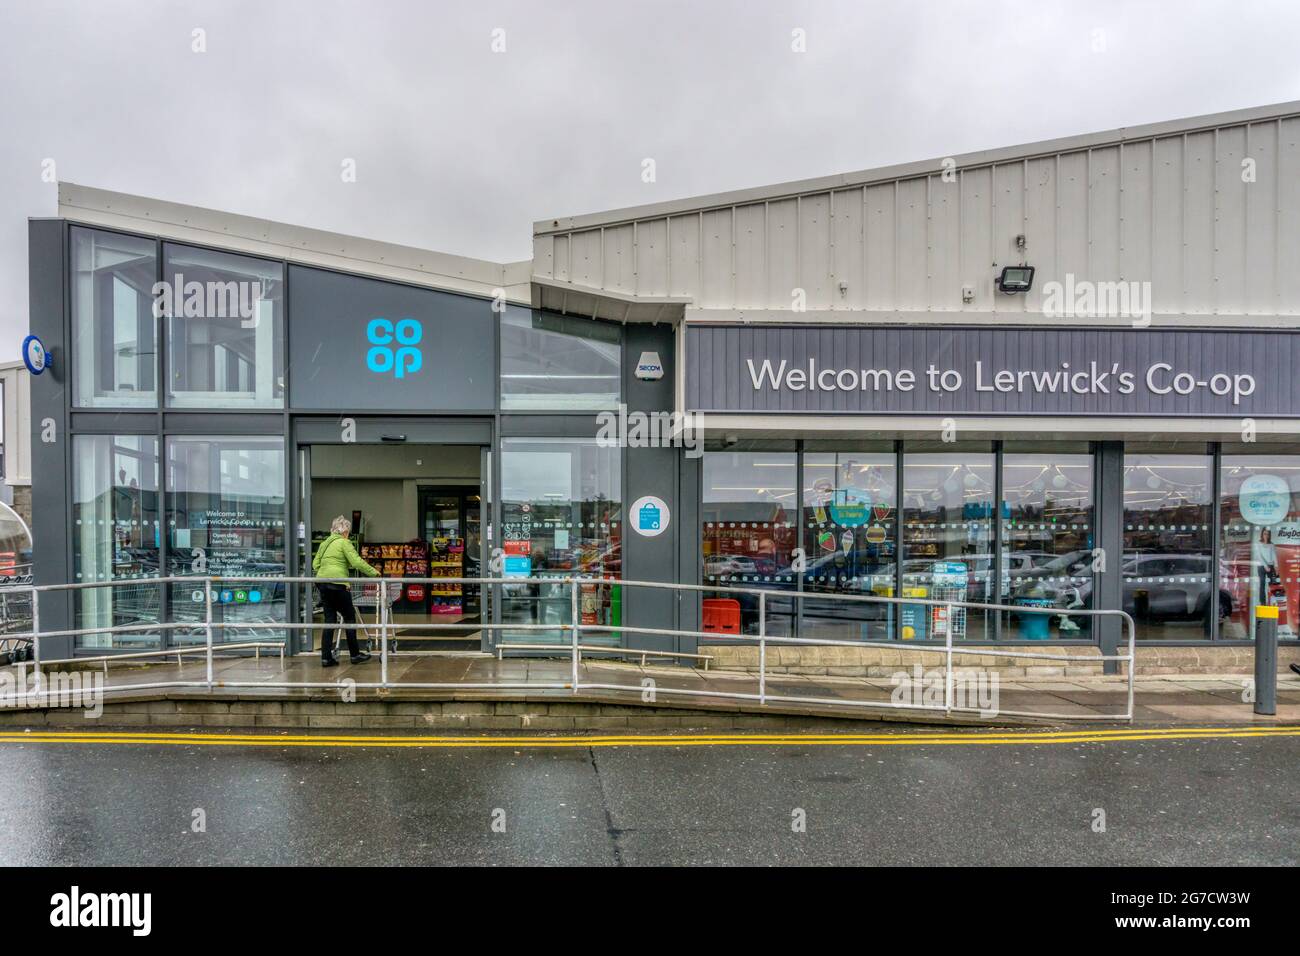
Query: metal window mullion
(162, 341)
(996, 570)
(796, 622)
(1216, 457)
(898, 536)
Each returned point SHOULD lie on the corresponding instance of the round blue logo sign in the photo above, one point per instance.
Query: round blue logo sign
(35, 357)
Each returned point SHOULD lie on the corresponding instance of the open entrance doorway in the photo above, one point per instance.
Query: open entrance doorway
(417, 511)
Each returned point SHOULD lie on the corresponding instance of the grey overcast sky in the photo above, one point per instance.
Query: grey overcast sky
(459, 148)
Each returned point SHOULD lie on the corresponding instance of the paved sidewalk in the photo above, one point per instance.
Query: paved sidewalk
(1159, 701)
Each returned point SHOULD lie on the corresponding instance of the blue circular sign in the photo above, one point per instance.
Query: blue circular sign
(35, 357)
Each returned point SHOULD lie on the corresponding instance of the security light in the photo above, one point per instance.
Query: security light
(1016, 279)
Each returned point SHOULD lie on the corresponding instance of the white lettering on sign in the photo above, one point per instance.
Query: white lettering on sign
(1093, 379)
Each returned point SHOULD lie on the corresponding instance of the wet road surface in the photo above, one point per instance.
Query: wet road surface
(1165, 802)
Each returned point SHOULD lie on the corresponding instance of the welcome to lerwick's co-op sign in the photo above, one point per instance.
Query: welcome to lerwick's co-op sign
(873, 370)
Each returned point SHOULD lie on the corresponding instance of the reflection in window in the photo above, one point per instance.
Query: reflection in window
(1259, 561)
(1168, 574)
(1047, 542)
(849, 538)
(560, 515)
(749, 532)
(113, 325)
(557, 362)
(115, 536)
(225, 329)
(947, 542)
(226, 517)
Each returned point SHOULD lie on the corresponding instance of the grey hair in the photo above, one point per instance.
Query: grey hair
(341, 526)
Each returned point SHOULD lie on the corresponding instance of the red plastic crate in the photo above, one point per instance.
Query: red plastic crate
(722, 615)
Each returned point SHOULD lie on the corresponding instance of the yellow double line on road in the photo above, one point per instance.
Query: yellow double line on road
(900, 739)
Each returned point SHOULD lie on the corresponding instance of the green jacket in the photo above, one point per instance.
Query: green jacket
(335, 556)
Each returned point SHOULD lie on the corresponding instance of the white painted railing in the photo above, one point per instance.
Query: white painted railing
(574, 629)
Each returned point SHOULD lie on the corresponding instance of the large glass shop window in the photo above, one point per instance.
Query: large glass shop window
(749, 531)
(115, 537)
(114, 356)
(225, 329)
(560, 516)
(1048, 534)
(1259, 557)
(948, 542)
(849, 524)
(558, 362)
(226, 516)
(1168, 570)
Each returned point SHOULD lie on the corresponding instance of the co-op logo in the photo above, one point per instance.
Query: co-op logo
(393, 346)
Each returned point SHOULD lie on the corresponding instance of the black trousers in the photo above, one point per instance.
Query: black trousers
(337, 599)
(1264, 577)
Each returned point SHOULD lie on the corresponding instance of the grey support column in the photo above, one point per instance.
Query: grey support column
(1108, 591)
(650, 471)
(51, 443)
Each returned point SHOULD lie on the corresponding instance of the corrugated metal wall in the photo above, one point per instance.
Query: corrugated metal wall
(1175, 210)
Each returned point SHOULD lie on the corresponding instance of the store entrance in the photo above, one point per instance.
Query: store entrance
(417, 511)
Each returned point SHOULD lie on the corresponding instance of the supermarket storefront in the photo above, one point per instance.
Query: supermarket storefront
(855, 459)
(458, 431)
(834, 459)
(1055, 375)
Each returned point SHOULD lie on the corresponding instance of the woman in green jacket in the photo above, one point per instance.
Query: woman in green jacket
(334, 559)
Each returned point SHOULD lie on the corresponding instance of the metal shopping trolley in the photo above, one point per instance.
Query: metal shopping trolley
(15, 617)
(365, 596)
(948, 582)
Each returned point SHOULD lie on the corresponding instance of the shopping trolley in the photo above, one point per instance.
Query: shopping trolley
(15, 616)
(948, 583)
(365, 595)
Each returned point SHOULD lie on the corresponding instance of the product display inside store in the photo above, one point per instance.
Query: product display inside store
(560, 515)
(841, 535)
(416, 514)
(1259, 549)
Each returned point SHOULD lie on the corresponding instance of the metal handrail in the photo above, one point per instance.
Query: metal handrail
(642, 653)
(575, 629)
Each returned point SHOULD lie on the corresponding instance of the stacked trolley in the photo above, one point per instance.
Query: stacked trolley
(948, 582)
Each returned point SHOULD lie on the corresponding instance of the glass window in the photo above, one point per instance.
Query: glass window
(1259, 560)
(749, 529)
(947, 542)
(560, 515)
(849, 537)
(551, 361)
(116, 536)
(1047, 541)
(113, 326)
(225, 329)
(226, 516)
(1167, 568)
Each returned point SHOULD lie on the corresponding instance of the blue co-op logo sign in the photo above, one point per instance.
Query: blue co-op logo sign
(393, 346)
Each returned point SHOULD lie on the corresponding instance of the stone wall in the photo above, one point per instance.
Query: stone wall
(1153, 660)
(22, 503)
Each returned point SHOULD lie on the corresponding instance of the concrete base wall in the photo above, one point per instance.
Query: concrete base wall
(885, 662)
(430, 716)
